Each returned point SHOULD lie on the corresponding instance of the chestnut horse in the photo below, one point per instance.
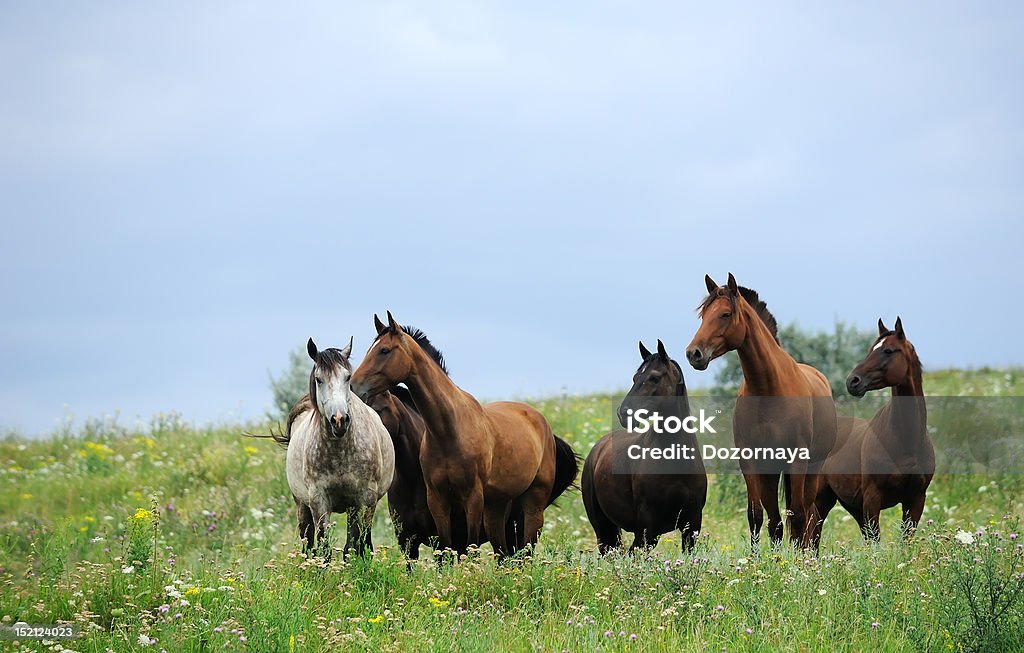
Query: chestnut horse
(481, 464)
(645, 504)
(781, 403)
(407, 498)
(889, 459)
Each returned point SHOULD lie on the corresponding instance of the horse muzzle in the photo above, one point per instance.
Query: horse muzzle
(339, 425)
(698, 357)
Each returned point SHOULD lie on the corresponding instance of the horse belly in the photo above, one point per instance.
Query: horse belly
(521, 452)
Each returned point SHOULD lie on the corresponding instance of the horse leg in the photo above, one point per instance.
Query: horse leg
(824, 501)
(645, 537)
(307, 528)
(912, 511)
(872, 512)
(474, 520)
(755, 513)
(796, 508)
(609, 536)
(360, 525)
(769, 484)
(321, 514)
(441, 510)
(534, 502)
(689, 527)
(496, 516)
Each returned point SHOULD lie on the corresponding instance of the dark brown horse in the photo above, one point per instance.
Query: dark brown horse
(781, 403)
(889, 459)
(481, 464)
(645, 502)
(407, 498)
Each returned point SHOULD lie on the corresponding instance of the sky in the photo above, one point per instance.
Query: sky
(190, 190)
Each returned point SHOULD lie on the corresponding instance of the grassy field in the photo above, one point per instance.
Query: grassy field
(182, 539)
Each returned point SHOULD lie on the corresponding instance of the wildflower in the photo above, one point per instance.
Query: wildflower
(26, 496)
(749, 631)
(438, 603)
(964, 537)
(141, 514)
(249, 449)
(720, 608)
(192, 590)
(130, 569)
(376, 620)
(146, 640)
(633, 637)
(875, 625)
(822, 592)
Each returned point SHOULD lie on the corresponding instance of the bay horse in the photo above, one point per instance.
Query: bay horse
(407, 498)
(645, 504)
(340, 457)
(481, 464)
(781, 403)
(888, 459)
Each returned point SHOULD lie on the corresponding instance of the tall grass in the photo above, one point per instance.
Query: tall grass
(184, 539)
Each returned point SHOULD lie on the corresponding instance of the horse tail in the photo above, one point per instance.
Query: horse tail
(283, 437)
(280, 437)
(567, 465)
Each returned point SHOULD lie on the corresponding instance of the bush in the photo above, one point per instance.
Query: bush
(834, 353)
(289, 387)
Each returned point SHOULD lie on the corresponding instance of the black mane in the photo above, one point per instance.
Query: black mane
(424, 343)
(330, 358)
(751, 297)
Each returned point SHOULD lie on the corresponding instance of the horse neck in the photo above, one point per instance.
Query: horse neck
(436, 396)
(407, 436)
(766, 365)
(906, 413)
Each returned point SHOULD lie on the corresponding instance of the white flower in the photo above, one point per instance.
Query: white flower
(963, 537)
(822, 592)
(146, 640)
(130, 569)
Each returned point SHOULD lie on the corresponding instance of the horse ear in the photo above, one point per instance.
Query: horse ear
(347, 351)
(377, 324)
(645, 353)
(661, 349)
(899, 329)
(311, 349)
(395, 328)
(710, 283)
(733, 286)
(882, 329)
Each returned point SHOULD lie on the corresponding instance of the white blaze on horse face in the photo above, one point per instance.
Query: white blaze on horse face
(878, 344)
(332, 395)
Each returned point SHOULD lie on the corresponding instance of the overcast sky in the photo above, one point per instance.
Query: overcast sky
(190, 191)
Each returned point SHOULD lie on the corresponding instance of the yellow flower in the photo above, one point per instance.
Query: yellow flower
(376, 620)
(82, 529)
(291, 644)
(26, 496)
(89, 519)
(142, 514)
(192, 590)
(249, 449)
(438, 603)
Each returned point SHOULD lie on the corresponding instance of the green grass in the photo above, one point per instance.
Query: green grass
(187, 537)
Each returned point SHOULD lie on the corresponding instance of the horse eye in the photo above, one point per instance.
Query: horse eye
(889, 352)
(319, 380)
(726, 316)
(385, 351)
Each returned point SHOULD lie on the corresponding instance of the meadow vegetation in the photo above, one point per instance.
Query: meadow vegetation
(183, 539)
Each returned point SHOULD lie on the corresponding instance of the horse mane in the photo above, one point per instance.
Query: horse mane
(424, 342)
(752, 298)
(330, 358)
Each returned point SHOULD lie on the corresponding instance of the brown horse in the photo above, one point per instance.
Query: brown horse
(889, 459)
(481, 464)
(781, 403)
(407, 498)
(645, 502)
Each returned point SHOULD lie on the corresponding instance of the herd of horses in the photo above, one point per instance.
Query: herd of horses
(459, 474)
